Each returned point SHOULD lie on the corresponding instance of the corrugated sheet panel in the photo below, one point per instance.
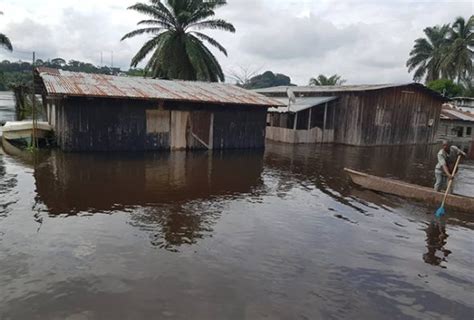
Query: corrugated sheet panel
(300, 104)
(452, 114)
(347, 88)
(66, 83)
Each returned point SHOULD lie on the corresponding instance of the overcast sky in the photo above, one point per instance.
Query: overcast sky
(365, 41)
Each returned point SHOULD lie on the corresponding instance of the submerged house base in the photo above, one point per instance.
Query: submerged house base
(307, 120)
(109, 113)
(363, 115)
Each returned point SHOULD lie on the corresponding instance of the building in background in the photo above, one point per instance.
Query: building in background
(457, 126)
(305, 120)
(464, 103)
(91, 112)
(371, 115)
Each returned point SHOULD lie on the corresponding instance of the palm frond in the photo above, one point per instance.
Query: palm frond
(153, 22)
(146, 49)
(216, 24)
(141, 31)
(156, 10)
(211, 41)
(5, 42)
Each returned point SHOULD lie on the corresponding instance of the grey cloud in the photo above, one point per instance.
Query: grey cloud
(28, 36)
(294, 38)
(365, 41)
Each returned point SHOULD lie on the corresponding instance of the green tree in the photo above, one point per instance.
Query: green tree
(268, 79)
(177, 44)
(322, 80)
(428, 53)
(457, 63)
(446, 87)
(468, 85)
(4, 41)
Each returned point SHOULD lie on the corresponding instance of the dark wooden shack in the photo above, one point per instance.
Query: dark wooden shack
(368, 115)
(92, 112)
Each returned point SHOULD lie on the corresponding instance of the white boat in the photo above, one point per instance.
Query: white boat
(20, 133)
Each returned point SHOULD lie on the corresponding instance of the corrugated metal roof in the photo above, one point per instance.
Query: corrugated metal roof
(66, 83)
(302, 89)
(348, 88)
(301, 104)
(448, 113)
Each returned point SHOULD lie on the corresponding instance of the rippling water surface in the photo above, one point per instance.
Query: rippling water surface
(280, 234)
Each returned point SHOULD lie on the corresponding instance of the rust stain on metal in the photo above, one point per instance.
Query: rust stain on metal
(66, 83)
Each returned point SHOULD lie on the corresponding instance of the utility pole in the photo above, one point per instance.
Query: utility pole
(101, 59)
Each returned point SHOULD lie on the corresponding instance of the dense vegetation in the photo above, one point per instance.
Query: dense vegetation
(445, 53)
(19, 73)
(266, 80)
(446, 87)
(322, 80)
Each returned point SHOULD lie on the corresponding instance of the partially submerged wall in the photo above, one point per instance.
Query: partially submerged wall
(88, 124)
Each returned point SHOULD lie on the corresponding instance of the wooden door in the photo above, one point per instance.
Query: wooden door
(179, 129)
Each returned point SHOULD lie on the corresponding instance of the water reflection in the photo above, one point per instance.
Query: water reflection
(436, 241)
(7, 183)
(75, 183)
(279, 235)
(321, 167)
(176, 197)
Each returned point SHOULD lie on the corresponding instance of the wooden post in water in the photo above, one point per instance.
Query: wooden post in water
(34, 139)
(325, 119)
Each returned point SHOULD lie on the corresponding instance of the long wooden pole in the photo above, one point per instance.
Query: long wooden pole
(451, 181)
(325, 119)
(33, 103)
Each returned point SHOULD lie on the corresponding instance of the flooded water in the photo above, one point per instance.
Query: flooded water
(280, 234)
(7, 106)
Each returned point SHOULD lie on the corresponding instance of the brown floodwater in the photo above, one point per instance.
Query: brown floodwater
(274, 234)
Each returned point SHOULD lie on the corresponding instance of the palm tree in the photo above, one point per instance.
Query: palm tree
(322, 80)
(4, 41)
(458, 61)
(178, 45)
(427, 55)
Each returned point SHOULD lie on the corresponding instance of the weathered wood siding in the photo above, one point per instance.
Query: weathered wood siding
(106, 125)
(314, 135)
(398, 115)
(385, 117)
(236, 129)
(96, 124)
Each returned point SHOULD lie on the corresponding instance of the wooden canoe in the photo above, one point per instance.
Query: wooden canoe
(410, 191)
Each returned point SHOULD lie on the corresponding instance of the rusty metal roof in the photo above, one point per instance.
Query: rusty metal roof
(78, 84)
(449, 113)
(347, 88)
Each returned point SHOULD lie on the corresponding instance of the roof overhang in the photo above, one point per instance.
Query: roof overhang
(60, 83)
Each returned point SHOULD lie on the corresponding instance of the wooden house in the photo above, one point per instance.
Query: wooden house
(306, 120)
(91, 112)
(457, 126)
(369, 115)
(464, 103)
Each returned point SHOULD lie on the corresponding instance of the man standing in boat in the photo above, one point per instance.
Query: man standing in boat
(446, 158)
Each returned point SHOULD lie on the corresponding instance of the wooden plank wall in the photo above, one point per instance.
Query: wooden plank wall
(314, 135)
(106, 125)
(132, 125)
(399, 115)
(235, 129)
